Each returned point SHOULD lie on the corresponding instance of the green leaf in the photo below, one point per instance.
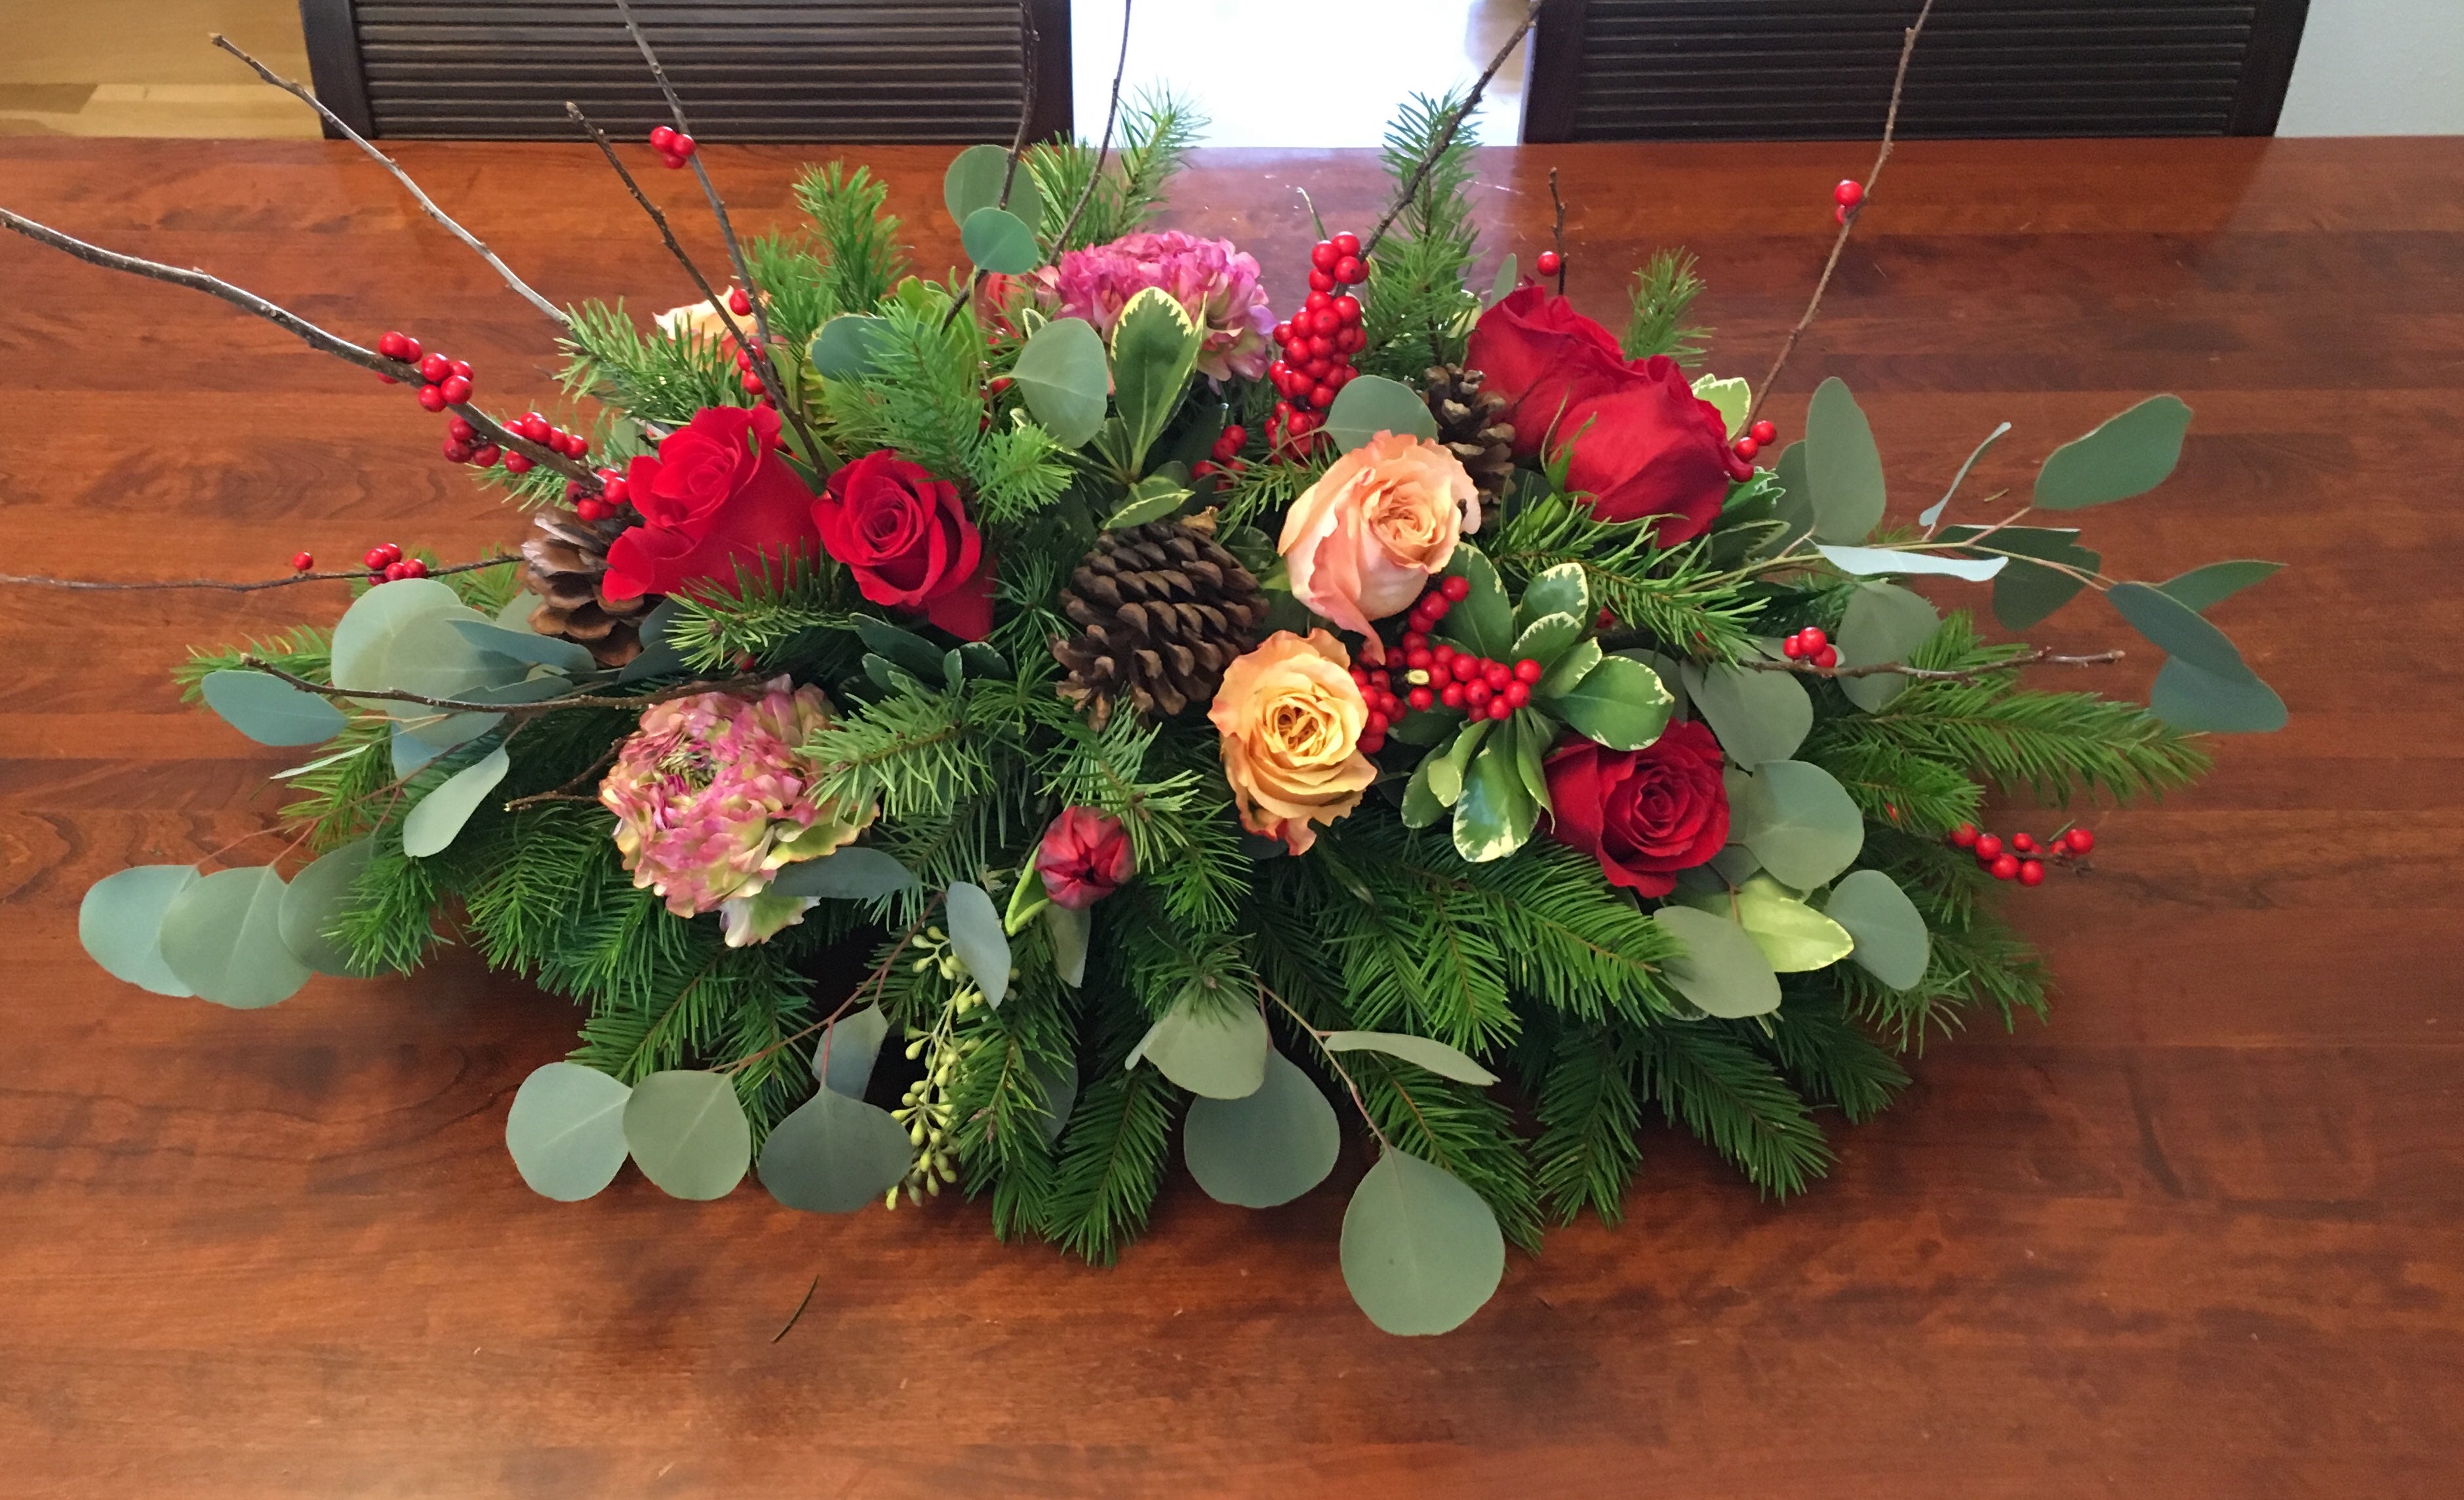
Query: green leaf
(1421, 804)
(315, 899)
(1266, 1148)
(2201, 588)
(2027, 592)
(1217, 1050)
(567, 1131)
(974, 182)
(1546, 638)
(1154, 348)
(544, 651)
(1420, 1052)
(853, 873)
(1065, 380)
(1372, 403)
(1721, 971)
(1799, 822)
(1931, 515)
(978, 938)
(996, 239)
(689, 1135)
(1422, 1253)
(2188, 696)
(1843, 470)
(1757, 715)
(847, 346)
(120, 923)
(1059, 1086)
(1884, 622)
(1508, 272)
(1563, 589)
(400, 637)
(1892, 943)
(222, 938)
(1620, 703)
(2130, 454)
(1795, 937)
(1733, 396)
(1795, 500)
(1892, 559)
(843, 1058)
(1534, 731)
(2177, 628)
(1495, 815)
(1069, 930)
(834, 1154)
(1448, 769)
(1151, 499)
(271, 711)
(1571, 669)
(432, 826)
(659, 656)
(1484, 620)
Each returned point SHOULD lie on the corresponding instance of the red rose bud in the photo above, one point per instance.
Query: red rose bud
(1085, 857)
(1644, 814)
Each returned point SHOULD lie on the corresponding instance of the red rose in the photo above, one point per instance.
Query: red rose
(1644, 814)
(717, 497)
(1084, 858)
(907, 538)
(1643, 442)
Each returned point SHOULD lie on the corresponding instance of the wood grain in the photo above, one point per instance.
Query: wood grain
(2203, 1235)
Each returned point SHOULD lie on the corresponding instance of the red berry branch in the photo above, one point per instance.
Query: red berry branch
(301, 565)
(1806, 660)
(1319, 342)
(1446, 133)
(2022, 859)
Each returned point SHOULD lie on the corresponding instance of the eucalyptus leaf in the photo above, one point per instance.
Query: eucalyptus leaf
(2129, 454)
(1484, 620)
(2027, 591)
(432, 826)
(1884, 622)
(843, 1058)
(659, 656)
(689, 1135)
(1500, 286)
(1866, 561)
(1266, 1148)
(1495, 814)
(222, 938)
(1799, 822)
(1931, 516)
(978, 938)
(1422, 1253)
(2191, 697)
(1421, 1052)
(1756, 715)
(1843, 470)
(1563, 589)
(269, 709)
(315, 898)
(1892, 943)
(1795, 508)
(528, 646)
(1058, 1088)
(1620, 702)
(1070, 928)
(119, 923)
(833, 1155)
(846, 347)
(1154, 348)
(852, 873)
(1215, 1049)
(1372, 403)
(974, 181)
(1722, 970)
(2178, 630)
(413, 745)
(1065, 379)
(2204, 588)
(999, 240)
(1792, 936)
(567, 1131)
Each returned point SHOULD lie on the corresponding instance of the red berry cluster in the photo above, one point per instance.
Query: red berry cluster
(1759, 437)
(1475, 684)
(1224, 457)
(674, 147)
(444, 382)
(541, 430)
(1811, 645)
(614, 495)
(2024, 859)
(1845, 197)
(1377, 686)
(1319, 342)
(386, 564)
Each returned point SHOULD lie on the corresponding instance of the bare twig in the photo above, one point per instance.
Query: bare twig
(1848, 223)
(296, 91)
(1445, 136)
(231, 587)
(718, 303)
(518, 710)
(1350, 1085)
(566, 792)
(306, 332)
(1103, 147)
(1557, 229)
(800, 1310)
(2042, 656)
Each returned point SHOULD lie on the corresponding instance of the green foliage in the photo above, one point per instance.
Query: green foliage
(1734, 1098)
(1018, 470)
(1829, 1056)
(1589, 1119)
(1112, 1151)
(772, 619)
(652, 376)
(925, 397)
(1180, 822)
(1461, 1128)
(1664, 289)
(796, 285)
(1977, 958)
(909, 754)
(339, 794)
(1417, 311)
(998, 1100)
(303, 650)
(1678, 597)
(1154, 134)
(860, 257)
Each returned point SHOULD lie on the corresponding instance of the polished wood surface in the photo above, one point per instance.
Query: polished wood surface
(2202, 1235)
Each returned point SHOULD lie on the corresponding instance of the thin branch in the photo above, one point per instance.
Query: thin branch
(229, 586)
(301, 328)
(1848, 222)
(1350, 1085)
(514, 710)
(800, 1310)
(1557, 229)
(1445, 136)
(296, 91)
(566, 792)
(718, 303)
(2042, 656)
(1104, 148)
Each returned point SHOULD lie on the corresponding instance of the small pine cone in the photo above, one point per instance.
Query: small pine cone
(1161, 610)
(1470, 423)
(567, 569)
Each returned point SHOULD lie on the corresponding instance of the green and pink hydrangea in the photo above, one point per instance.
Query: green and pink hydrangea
(1217, 285)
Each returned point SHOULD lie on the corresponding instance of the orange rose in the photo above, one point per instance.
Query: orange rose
(1291, 716)
(1362, 544)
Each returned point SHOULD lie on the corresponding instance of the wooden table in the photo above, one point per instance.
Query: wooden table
(2202, 1235)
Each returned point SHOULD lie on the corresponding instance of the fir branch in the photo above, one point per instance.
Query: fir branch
(860, 259)
(1736, 1102)
(656, 376)
(1440, 141)
(303, 650)
(1589, 1120)
(1019, 472)
(1664, 289)
(924, 397)
(1460, 1128)
(766, 615)
(909, 753)
(1677, 599)
(1419, 950)
(1113, 1151)
(1829, 1056)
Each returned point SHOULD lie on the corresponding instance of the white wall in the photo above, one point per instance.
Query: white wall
(2378, 68)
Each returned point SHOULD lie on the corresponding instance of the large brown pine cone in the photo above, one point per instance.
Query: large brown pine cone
(567, 569)
(1470, 423)
(1161, 610)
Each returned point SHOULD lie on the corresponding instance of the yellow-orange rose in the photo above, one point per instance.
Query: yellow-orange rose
(1362, 544)
(1291, 716)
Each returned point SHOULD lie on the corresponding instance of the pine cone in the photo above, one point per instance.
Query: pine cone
(1162, 610)
(568, 569)
(1470, 424)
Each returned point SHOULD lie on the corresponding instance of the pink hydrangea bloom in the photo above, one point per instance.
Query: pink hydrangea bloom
(710, 798)
(1214, 283)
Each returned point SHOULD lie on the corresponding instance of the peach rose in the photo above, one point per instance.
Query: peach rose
(1291, 716)
(702, 319)
(1362, 544)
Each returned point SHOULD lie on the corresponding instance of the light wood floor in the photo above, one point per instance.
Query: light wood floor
(145, 68)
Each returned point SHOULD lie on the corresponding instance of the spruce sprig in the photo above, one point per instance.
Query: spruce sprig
(1677, 596)
(1664, 289)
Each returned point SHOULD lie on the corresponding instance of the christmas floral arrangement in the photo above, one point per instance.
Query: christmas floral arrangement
(1208, 719)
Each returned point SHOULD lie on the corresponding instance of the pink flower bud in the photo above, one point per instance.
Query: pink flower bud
(1086, 858)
